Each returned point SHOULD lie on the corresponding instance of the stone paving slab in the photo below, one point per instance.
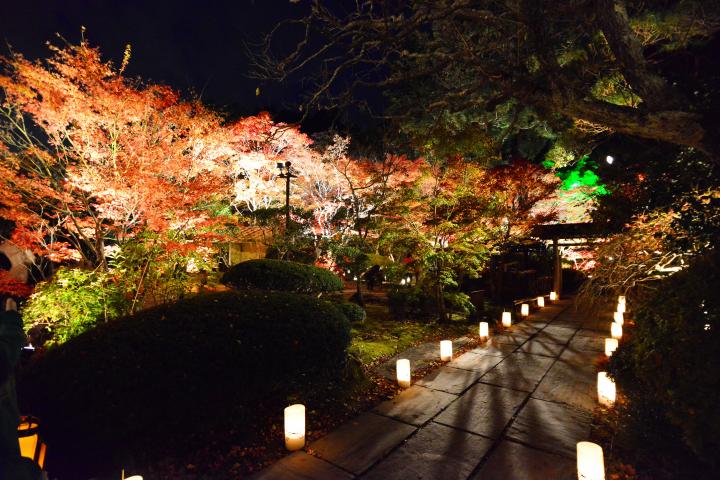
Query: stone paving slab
(475, 361)
(555, 334)
(484, 409)
(416, 405)
(512, 461)
(494, 348)
(301, 466)
(451, 380)
(555, 427)
(571, 385)
(521, 371)
(587, 343)
(537, 347)
(436, 452)
(513, 337)
(358, 444)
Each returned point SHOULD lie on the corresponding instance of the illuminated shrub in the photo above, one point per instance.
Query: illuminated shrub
(670, 368)
(176, 370)
(74, 301)
(268, 274)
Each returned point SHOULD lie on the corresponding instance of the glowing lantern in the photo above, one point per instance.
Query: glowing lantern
(445, 350)
(621, 299)
(606, 389)
(616, 330)
(541, 301)
(403, 372)
(621, 307)
(611, 344)
(590, 462)
(506, 319)
(134, 477)
(408, 280)
(618, 317)
(484, 330)
(524, 309)
(295, 427)
(402, 282)
(553, 296)
(31, 445)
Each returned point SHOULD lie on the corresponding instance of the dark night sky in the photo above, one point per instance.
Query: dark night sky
(194, 46)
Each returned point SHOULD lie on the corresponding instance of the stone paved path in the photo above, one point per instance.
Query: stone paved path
(511, 409)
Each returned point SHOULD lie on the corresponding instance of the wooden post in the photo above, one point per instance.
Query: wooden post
(557, 274)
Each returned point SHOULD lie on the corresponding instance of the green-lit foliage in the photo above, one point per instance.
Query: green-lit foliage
(581, 174)
(74, 301)
(614, 89)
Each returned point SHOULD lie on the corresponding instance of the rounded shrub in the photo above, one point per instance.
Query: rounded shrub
(268, 274)
(179, 369)
(355, 313)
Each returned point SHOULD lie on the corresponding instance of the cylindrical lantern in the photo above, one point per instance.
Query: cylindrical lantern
(484, 330)
(590, 462)
(605, 389)
(295, 427)
(134, 477)
(541, 301)
(621, 307)
(506, 319)
(408, 280)
(402, 282)
(524, 309)
(621, 299)
(446, 350)
(553, 296)
(31, 445)
(403, 372)
(611, 344)
(616, 330)
(618, 317)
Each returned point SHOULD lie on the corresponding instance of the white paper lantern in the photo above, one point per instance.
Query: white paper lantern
(403, 372)
(611, 344)
(620, 308)
(506, 319)
(590, 462)
(553, 296)
(446, 350)
(402, 282)
(295, 427)
(484, 330)
(541, 302)
(606, 389)
(616, 330)
(524, 309)
(618, 317)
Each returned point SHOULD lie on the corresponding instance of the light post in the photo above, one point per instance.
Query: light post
(286, 173)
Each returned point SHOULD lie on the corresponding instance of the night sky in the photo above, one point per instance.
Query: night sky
(194, 46)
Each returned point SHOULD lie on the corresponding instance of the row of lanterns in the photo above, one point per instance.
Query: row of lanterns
(590, 462)
(295, 414)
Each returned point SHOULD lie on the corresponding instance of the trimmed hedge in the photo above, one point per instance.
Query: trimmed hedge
(268, 274)
(175, 370)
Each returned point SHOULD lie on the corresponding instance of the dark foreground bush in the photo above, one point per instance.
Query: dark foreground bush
(267, 274)
(671, 366)
(170, 372)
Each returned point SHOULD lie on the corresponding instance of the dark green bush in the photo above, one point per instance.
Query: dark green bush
(355, 313)
(407, 302)
(671, 365)
(173, 371)
(268, 274)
